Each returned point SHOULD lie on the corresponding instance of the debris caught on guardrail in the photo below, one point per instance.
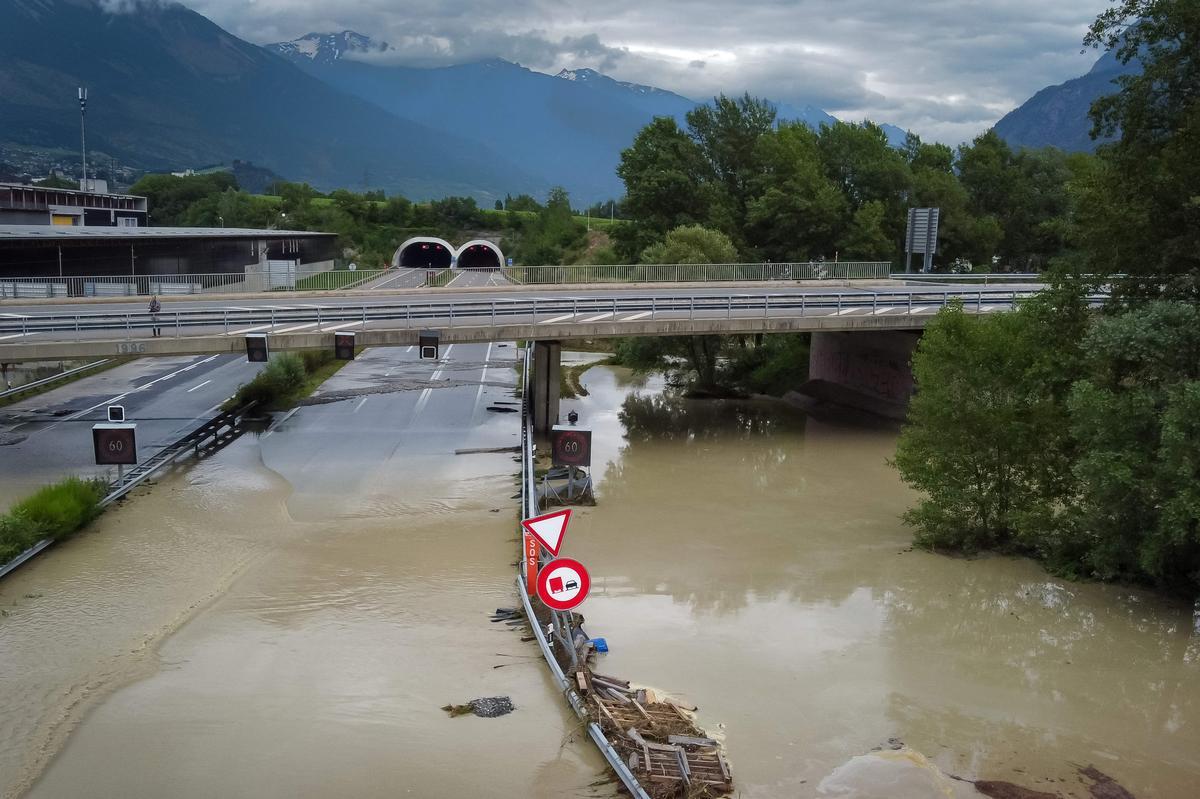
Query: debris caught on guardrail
(488, 707)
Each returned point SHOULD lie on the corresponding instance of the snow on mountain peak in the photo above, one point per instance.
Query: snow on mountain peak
(327, 47)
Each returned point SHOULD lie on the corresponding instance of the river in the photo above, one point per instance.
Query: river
(286, 619)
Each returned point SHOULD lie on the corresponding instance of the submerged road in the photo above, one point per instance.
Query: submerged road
(47, 437)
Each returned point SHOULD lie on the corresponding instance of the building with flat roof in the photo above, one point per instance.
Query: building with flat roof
(38, 205)
(66, 260)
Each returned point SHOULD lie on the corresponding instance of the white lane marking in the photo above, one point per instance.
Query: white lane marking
(14, 315)
(247, 330)
(990, 307)
(482, 377)
(636, 316)
(14, 335)
(846, 311)
(878, 311)
(297, 327)
(455, 279)
(289, 415)
(596, 318)
(922, 309)
(361, 403)
(198, 386)
(120, 397)
(423, 400)
(552, 320)
(339, 327)
(410, 348)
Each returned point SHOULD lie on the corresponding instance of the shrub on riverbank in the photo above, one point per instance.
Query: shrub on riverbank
(1068, 438)
(288, 378)
(55, 511)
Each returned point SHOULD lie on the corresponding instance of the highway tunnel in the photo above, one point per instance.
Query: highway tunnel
(425, 253)
(480, 254)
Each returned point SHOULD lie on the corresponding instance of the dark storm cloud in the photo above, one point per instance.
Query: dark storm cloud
(946, 69)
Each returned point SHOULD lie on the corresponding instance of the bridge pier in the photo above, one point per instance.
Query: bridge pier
(547, 364)
(870, 371)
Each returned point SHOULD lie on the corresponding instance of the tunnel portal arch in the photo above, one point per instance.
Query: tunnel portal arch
(480, 254)
(424, 252)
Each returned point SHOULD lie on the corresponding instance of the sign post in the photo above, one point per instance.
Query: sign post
(548, 530)
(257, 350)
(115, 445)
(563, 584)
(921, 237)
(428, 342)
(343, 346)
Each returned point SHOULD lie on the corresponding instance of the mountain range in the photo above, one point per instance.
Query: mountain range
(1057, 116)
(170, 89)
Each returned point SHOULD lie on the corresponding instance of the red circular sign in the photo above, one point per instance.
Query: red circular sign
(563, 584)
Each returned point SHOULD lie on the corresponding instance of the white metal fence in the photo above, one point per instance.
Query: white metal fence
(698, 273)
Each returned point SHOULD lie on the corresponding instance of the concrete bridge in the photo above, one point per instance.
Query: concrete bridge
(38, 332)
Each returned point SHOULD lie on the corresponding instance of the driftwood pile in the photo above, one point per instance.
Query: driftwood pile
(657, 738)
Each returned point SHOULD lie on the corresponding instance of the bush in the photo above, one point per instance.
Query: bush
(55, 511)
(280, 379)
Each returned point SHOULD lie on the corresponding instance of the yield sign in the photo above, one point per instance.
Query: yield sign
(549, 529)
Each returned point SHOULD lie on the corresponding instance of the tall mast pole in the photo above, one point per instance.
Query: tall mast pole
(83, 184)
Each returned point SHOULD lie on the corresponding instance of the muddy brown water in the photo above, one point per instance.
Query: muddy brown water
(225, 634)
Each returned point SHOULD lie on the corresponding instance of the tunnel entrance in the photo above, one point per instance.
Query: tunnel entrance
(480, 255)
(425, 254)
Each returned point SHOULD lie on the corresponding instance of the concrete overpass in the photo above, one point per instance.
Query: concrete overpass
(66, 330)
(863, 337)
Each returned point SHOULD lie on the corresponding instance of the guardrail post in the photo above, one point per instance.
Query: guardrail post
(691, 307)
(273, 318)
(128, 326)
(979, 302)
(226, 315)
(729, 309)
(839, 303)
(535, 311)
(493, 313)
(178, 332)
(451, 315)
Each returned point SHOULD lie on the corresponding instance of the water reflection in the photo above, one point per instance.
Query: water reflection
(752, 558)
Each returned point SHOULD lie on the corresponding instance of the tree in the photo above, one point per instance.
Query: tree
(1154, 167)
(867, 238)
(1137, 418)
(169, 196)
(728, 134)
(986, 439)
(666, 185)
(691, 244)
(796, 211)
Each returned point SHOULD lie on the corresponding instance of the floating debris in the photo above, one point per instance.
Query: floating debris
(488, 707)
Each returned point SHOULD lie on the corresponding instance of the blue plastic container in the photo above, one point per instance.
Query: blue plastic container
(600, 644)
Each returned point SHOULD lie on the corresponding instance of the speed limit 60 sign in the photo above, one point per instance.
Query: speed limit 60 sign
(115, 444)
(571, 446)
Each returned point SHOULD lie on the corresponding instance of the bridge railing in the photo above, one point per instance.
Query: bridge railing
(697, 273)
(501, 311)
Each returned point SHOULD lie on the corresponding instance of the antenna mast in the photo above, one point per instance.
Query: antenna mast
(83, 183)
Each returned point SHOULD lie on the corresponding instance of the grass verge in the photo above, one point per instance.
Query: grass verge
(287, 379)
(33, 392)
(55, 511)
(569, 385)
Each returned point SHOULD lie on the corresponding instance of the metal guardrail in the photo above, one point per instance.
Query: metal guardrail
(697, 273)
(300, 279)
(220, 429)
(45, 381)
(529, 509)
(501, 312)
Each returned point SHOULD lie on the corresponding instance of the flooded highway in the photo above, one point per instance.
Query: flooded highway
(286, 618)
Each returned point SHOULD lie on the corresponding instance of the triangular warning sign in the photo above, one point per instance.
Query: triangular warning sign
(549, 529)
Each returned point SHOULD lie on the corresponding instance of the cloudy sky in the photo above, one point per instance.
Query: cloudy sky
(947, 69)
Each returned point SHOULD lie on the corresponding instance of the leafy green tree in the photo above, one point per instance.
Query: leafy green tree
(795, 212)
(1137, 418)
(168, 196)
(728, 133)
(666, 185)
(1153, 169)
(867, 238)
(691, 244)
(986, 439)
